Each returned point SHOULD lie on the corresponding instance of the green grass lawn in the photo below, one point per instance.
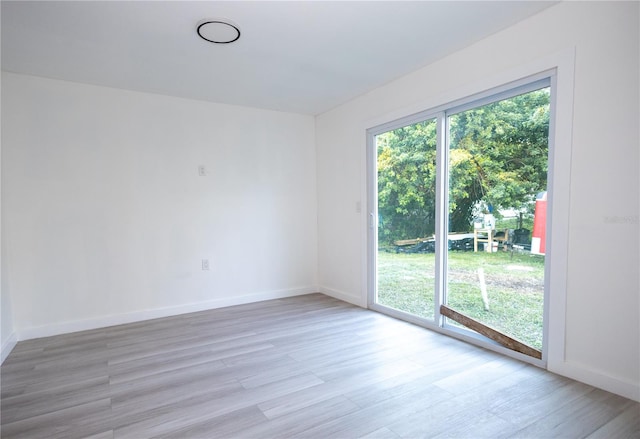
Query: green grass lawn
(515, 288)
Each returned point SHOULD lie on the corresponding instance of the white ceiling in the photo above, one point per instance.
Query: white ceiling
(304, 57)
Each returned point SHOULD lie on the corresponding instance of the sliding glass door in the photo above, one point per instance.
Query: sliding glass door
(458, 218)
(406, 198)
(498, 160)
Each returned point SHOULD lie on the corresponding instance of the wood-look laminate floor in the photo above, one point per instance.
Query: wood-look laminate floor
(308, 367)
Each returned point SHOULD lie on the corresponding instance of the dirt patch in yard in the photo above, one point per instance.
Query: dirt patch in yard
(520, 284)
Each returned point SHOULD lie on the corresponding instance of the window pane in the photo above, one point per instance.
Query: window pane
(406, 218)
(497, 171)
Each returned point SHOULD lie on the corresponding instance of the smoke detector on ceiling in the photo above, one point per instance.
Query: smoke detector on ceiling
(218, 30)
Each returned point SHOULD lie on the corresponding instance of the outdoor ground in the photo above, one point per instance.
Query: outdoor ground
(515, 288)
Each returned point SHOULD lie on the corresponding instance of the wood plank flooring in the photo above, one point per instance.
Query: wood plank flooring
(308, 367)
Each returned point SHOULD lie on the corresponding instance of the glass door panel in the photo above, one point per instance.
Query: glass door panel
(497, 159)
(406, 199)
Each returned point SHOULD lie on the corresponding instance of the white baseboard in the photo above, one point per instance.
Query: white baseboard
(8, 346)
(345, 297)
(120, 319)
(616, 385)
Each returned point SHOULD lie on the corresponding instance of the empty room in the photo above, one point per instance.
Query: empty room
(320, 219)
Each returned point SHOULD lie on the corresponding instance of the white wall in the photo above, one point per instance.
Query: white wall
(602, 344)
(8, 337)
(106, 219)
(6, 317)
(7, 334)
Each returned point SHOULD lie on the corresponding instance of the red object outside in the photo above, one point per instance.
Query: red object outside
(538, 237)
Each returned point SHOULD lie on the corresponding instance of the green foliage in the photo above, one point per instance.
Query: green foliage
(406, 181)
(498, 157)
